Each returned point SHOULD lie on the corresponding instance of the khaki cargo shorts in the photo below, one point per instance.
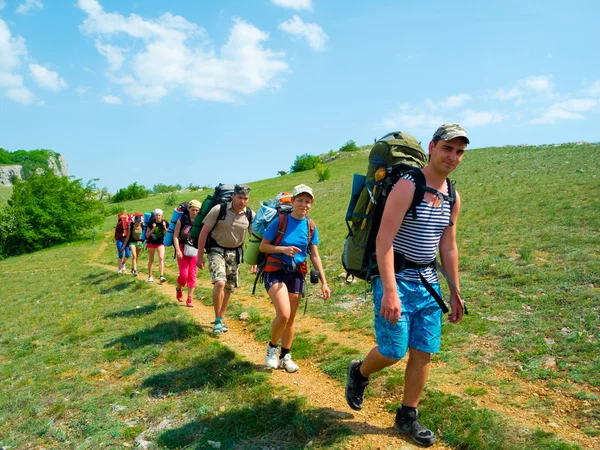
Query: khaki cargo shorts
(223, 266)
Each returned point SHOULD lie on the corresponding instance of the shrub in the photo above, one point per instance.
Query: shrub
(193, 187)
(171, 199)
(282, 173)
(165, 188)
(46, 210)
(131, 192)
(305, 162)
(349, 146)
(323, 173)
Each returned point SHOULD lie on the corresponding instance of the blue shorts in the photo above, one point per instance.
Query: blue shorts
(120, 249)
(294, 281)
(420, 324)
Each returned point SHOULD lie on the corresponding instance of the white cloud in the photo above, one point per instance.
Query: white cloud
(410, 119)
(28, 6)
(294, 4)
(172, 53)
(594, 88)
(114, 55)
(12, 51)
(533, 86)
(47, 79)
(81, 90)
(567, 110)
(112, 100)
(312, 32)
(20, 95)
(455, 101)
(472, 118)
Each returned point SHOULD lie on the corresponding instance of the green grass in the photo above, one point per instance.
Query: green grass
(89, 359)
(529, 271)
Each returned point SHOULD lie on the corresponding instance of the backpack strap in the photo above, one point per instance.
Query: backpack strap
(272, 262)
(420, 185)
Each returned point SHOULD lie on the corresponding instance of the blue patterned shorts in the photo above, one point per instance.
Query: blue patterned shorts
(420, 325)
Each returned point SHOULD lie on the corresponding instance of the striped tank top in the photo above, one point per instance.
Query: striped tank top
(418, 239)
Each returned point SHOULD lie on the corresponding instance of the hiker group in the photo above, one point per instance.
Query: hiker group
(400, 216)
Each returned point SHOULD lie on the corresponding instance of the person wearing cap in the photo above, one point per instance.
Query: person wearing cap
(285, 270)
(134, 241)
(186, 259)
(407, 316)
(155, 235)
(121, 231)
(223, 238)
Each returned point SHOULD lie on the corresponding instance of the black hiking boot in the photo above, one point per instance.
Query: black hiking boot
(410, 425)
(355, 386)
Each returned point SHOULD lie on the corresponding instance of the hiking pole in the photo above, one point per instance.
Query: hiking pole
(379, 175)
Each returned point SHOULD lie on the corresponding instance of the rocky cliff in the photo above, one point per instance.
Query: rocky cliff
(56, 163)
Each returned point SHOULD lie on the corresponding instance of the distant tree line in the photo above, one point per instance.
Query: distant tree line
(46, 210)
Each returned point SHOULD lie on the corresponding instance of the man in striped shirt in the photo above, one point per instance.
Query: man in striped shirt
(407, 316)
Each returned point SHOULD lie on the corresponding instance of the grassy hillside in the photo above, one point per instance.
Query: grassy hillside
(80, 343)
(528, 238)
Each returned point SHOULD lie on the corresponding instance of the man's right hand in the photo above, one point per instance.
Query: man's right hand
(391, 308)
(201, 262)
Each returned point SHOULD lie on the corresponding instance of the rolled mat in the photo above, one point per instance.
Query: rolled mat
(146, 220)
(177, 213)
(252, 251)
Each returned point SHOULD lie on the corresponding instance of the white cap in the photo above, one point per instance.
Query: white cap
(158, 211)
(302, 188)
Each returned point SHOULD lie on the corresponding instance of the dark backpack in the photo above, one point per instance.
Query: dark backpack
(221, 196)
(267, 261)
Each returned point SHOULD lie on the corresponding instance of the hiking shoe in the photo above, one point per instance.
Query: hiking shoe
(224, 327)
(179, 294)
(355, 388)
(162, 279)
(189, 303)
(218, 328)
(120, 271)
(150, 280)
(412, 427)
(287, 364)
(272, 360)
(134, 272)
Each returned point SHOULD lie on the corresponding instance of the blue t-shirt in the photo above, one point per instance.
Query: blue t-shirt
(296, 235)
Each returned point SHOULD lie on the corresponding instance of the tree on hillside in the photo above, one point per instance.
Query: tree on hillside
(132, 192)
(46, 210)
(305, 162)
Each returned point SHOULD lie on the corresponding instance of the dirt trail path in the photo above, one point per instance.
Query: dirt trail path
(372, 425)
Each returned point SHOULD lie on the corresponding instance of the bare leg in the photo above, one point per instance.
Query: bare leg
(161, 260)
(150, 260)
(374, 362)
(225, 302)
(281, 301)
(288, 334)
(417, 371)
(217, 297)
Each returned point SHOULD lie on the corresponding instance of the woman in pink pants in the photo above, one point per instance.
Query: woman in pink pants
(186, 255)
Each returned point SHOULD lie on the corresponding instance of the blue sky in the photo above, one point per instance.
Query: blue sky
(176, 91)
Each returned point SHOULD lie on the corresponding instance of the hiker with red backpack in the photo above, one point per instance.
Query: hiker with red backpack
(186, 253)
(155, 235)
(287, 241)
(121, 233)
(406, 292)
(223, 234)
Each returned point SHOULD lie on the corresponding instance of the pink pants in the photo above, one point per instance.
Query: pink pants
(187, 270)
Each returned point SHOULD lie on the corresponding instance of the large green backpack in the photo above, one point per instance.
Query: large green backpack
(390, 158)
